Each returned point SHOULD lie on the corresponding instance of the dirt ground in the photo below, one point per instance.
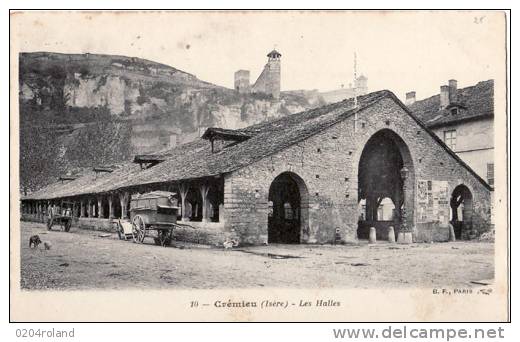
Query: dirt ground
(83, 259)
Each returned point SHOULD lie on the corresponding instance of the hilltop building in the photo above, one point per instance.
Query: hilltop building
(267, 83)
(242, 81)
(360, 88)
(296, 179)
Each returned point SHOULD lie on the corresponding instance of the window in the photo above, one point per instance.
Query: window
(454, 111)
(450, 138)
(491, 174)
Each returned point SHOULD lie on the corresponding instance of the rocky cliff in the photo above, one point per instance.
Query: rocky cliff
(80, 111)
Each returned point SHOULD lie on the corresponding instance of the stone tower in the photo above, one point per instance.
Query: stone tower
(274, 72)
(242, 81)
(269, 80)
(361, 85)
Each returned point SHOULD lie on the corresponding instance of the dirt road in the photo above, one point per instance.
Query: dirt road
(83, 259)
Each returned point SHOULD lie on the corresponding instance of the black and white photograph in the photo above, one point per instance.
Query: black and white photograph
(259, 165)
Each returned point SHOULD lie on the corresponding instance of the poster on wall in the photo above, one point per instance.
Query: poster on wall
(433, 201)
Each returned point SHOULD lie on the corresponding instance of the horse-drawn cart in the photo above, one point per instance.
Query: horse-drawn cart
(61, 215)
(153, 214)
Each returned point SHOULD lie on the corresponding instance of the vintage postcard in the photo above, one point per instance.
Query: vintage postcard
(259, 166)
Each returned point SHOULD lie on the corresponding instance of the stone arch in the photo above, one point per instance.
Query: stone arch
(379, 166)
(461, 209)
(288, 209)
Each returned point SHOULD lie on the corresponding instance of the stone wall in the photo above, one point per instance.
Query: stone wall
(33, 217)
(209, 233)
(269, 80)
(433, 231)
(262, 83)
(328, 164)
(94, 223)
(78, 222)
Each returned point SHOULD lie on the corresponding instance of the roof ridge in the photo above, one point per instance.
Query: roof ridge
(313, 113)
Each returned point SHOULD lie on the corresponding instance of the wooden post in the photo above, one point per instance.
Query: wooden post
(81, 209)
(110, 208)
(183, 191)
(204, 189)
(89, 208)
(101, 213)
(123, 199)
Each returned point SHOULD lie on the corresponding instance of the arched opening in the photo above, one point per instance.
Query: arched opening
(461, 208)
(384, 190)
(287, 209)
(386, 210)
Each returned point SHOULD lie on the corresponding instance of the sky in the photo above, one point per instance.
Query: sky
(399, 51)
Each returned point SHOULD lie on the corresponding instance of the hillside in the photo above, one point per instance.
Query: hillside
(82, 110)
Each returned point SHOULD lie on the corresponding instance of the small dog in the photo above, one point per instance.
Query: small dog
(230, 244)
(47, 245)
(34, 241)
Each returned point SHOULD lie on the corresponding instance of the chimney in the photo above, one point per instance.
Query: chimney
(453, 90)
(410, 98)
(445, 96)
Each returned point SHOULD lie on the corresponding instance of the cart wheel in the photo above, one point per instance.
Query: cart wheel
(68, 224)
(138, 229)
(49, 223)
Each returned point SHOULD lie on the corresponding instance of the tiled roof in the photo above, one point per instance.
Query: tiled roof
(274, 53)
(196, 160)
(473, 103)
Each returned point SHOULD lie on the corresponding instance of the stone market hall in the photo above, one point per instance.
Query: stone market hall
(320, 176)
